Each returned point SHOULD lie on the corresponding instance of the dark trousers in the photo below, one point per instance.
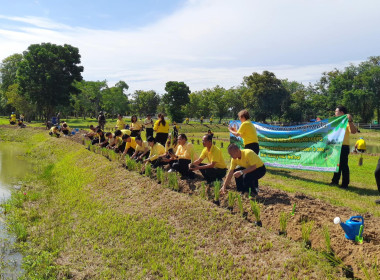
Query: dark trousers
(213, 174)
(135, 133)
(182, 166)
(253, 146)
(250, 180)
(148, 132)
(377, 175)
(343, 168)
(162, 138)
(140, 153)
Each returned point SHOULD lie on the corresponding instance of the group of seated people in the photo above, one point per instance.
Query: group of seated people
(64, 128)
(178, 155)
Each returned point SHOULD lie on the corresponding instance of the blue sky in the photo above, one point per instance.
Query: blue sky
(201, 42)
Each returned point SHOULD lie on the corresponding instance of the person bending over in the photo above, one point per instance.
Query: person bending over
(250, 170)
(156, 150)
(54, 131)
(142, 149)
(182, 159)
(129, 145)
(217, 168)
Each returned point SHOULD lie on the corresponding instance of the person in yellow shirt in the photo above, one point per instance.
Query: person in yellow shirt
(211, 119)
(217, 168)
(148, 123)
(156, 150)
(120, 123)
(360, 145)
(183, 157)
(129, 145)
(12, 119)
(187, 120)
(251, 169)
(135, 127)
(247, 132)
(142, 149)
(65, 129)
(161, 127)
(54, 131)
(344, 170)
(201, 120)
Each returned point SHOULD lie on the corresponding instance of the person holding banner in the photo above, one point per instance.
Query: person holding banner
(343, 163)
(247, 132)
(251, 169)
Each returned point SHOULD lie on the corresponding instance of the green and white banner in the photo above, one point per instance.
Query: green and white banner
(313, 146)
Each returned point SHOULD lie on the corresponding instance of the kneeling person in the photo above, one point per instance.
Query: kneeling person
(129, 145)
(251, 169)
(142, 149)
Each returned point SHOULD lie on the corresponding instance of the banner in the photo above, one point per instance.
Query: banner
(313, 146)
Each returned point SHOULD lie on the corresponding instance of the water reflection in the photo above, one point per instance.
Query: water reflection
(12, 168)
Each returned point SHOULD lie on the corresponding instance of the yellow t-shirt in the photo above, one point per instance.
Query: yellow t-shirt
(131, 144)
(142, 147)
(248, 158)
(248, 133)
(171, 146)
(160, 128)
(361, 144)
(346, 140)
(148, 123)
(156, 151)
(125, 131)
(185, 152)
(13, 118)
(120, 124)
(136, 125)
(54, 129)
(214, 155)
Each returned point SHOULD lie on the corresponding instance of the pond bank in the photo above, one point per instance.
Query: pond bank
(88, 218)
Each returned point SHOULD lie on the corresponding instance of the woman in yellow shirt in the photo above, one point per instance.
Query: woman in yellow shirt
(247, 132)
(136, 126)
(161, 127)
(120, 124)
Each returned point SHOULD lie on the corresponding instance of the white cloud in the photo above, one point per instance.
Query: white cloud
(212, 42)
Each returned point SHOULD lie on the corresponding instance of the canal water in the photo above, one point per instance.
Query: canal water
(12, 169)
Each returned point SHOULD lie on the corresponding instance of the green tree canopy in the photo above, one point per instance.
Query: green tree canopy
(46, 75)
(145, 102)
(176, 97)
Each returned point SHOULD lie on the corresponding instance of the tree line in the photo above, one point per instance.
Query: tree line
(46, 78)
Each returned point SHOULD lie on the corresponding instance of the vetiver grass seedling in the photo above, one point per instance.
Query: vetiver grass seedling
(160, 175)
(148, 170)
(241, 207)
(131, 164)
(138, 166)
(173, 181)
(306, 230)
(326, 235)
(256, 209)
(283, 223)
(231, 200)
(217, 192)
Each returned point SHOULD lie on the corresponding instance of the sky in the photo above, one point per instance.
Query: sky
(203, 43)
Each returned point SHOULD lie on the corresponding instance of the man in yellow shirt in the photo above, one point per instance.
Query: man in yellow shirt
(343, 163)
(182, 158)
(217, 168)
(251, 169)
(148, 123)
(142, 149)
(360, 145)
(129, 145)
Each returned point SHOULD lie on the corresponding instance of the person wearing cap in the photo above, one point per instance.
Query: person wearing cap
(148, 123)
(360, 145)
(251, 169)
(101, 120)
(217, 168)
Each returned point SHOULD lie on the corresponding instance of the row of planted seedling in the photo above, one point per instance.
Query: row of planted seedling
(170, 180)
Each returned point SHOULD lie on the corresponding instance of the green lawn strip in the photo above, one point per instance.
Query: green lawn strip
(75, 224)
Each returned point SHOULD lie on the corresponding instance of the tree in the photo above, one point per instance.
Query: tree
(177, 96)
(145, 102)
(219, 101)
(114, 101)
(9, 69)
(46, 75)
(265, 95)
(89, 99)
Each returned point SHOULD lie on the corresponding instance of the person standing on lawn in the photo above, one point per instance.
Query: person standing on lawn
(148, 123)
(161, 127)
(247, 132)
(344, 170)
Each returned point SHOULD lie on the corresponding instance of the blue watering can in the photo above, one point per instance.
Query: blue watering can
(352, 227)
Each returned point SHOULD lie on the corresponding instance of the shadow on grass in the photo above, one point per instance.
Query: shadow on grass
(357, 190)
